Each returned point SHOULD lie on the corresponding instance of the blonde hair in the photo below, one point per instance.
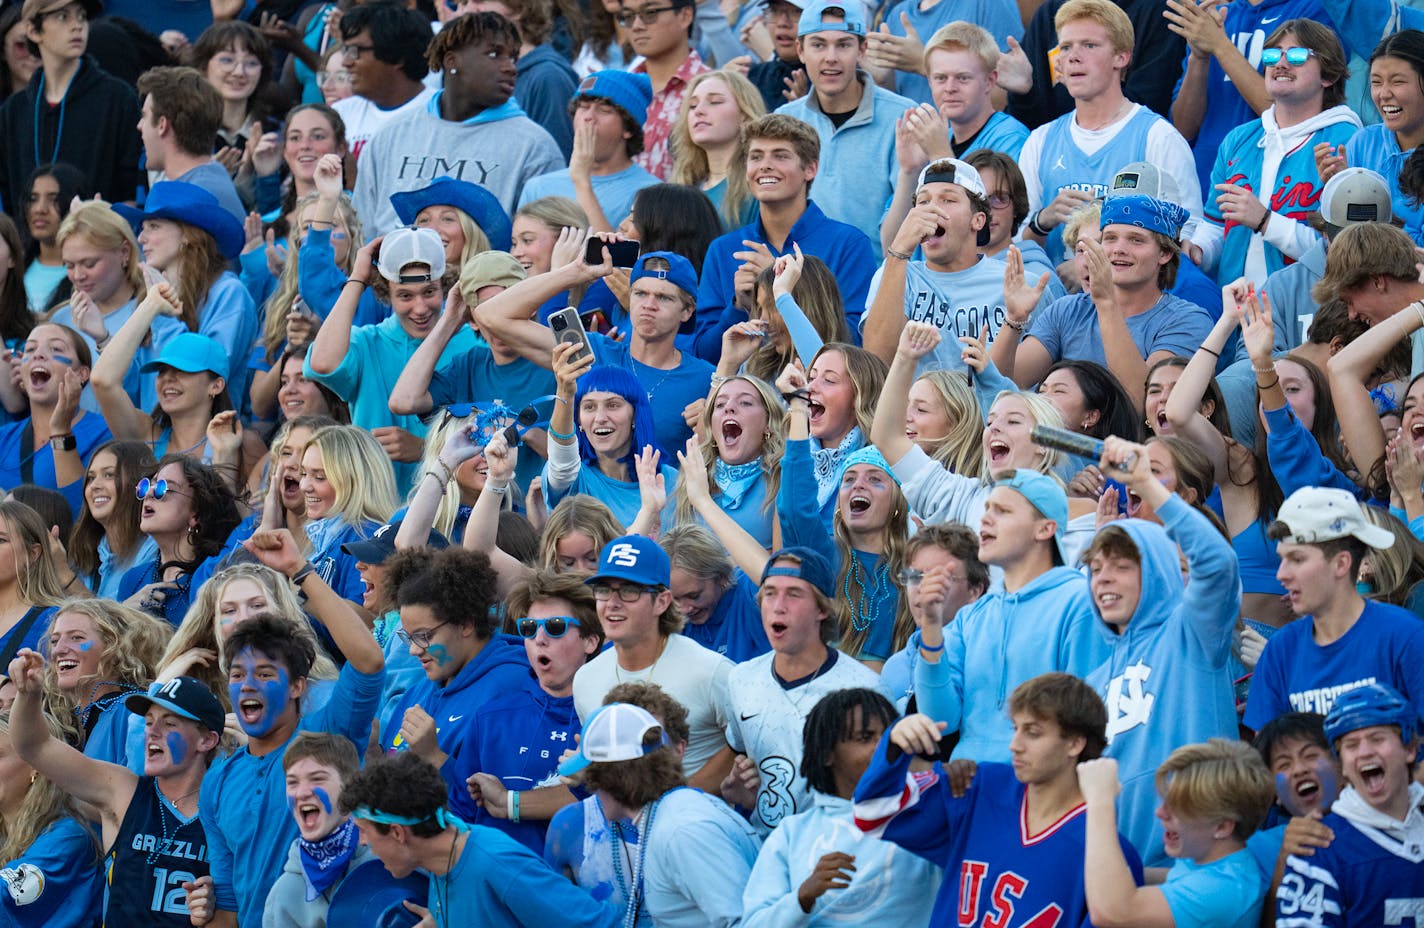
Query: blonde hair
(555, 212)
(1103, 12)
(895, 535)
(274, 335)
(1088, 216)
(1362, 251)
(108, 231)
(476, 244)
(360, 473)
(689, 160)
(130, 645)
(962, 450)
(773, 446)
(200, 626)
(1219, 779)
(961, 36)
(1396, 570)
(1043, 413)
(577, 513)
(867, 374)
(449, 507)
(43, 805)
(37, 580)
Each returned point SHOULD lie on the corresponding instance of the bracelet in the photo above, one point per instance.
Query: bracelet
(801, 394)
(1214, 354)
(1264, 370)
(449, 474)
(511, 804)
(897, 254)
(1260, 226)
(929, 650)
(497, 490)
(1419, 308)
(1034, 226)
(561, 436)
(357, 280)
(718, 380)
(1268, 386)
(1016, 326)
(307, 570)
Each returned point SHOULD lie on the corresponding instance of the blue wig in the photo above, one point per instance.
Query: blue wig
(602, 378)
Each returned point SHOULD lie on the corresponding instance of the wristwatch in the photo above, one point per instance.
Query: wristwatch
(63, 442)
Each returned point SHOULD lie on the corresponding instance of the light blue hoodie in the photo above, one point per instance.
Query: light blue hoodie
(998, 642)
(1168, 681)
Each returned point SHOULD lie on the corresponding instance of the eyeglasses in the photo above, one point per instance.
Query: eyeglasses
(352, 50)
(234, 63)
(646, 16)
(339, 78)
(420, 639)
(555, 626)
(1295, 55)
(909, 576)
(999, 201)
(628, 592)
(779, 10)
(159, 489)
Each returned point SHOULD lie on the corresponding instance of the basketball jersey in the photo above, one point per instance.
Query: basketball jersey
(155, 853)
(1063, 164)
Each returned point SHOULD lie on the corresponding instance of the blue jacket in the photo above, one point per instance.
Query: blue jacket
(858, 169)
(1168, 681)
(319, 281)
(1296, 458)
(847, 251)
(70, 883)
(500, 667)
(999, 641)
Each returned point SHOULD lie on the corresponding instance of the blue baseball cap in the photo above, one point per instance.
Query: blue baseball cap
(633, 93)
(1048, 497)
(190, 352)
(679, 273)
(187, 697)
(471, 199)
(813, 568)
(181, 201)
(1367, 706)
(635, 558)
(850, 13)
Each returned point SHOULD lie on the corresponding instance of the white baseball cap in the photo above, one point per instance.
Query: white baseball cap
(1355, 195)
(615, 732)
(408, 246)
(1316, 514)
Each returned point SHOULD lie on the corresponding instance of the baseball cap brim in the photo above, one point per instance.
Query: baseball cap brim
(140, 703)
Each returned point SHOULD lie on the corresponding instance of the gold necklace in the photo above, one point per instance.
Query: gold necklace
(618, 668)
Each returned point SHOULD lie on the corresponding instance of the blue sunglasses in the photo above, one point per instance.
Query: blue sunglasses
(159, 488)
(1295, 55)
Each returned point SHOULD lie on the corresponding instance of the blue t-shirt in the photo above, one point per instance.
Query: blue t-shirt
(1001, 18)
(1294, 674)
(669, 391)
(62, 868)
(1068, 328)
(90, 431)
(614, 192)
(1226, 892)
(734, 628)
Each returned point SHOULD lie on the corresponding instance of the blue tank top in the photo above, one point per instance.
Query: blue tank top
(1063, 164)
(155, 852)
(1257, 556)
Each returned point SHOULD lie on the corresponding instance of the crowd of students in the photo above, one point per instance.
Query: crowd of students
(527, 462)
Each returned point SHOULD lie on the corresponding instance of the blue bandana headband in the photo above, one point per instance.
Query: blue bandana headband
(442, 817)
(1145, 213)
(866, 455)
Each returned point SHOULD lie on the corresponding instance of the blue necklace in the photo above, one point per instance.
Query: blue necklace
(634, 892)
(59, 132)
(863, 605)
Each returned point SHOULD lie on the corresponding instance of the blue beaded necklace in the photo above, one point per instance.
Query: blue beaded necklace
(59, 131)
(864, 605)
(633, 893)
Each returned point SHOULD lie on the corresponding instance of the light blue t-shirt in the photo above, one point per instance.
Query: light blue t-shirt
(958, 303)
(615, 192)
(1226, 892)
(1068, 328)
(1000, 17)
(41, 280)
(669, 391)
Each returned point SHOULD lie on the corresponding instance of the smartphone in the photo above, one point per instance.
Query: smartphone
(624, 254)
(568, 327)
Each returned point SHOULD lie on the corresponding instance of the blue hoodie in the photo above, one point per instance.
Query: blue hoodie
(999, 641)
(500, 667)
(1168, 681)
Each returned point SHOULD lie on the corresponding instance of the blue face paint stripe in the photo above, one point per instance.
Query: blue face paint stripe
(177, 746)
(323, 798)
(442, 656)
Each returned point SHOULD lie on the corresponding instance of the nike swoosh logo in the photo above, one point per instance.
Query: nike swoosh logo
(1267, 22)
(455, 718)
(746, 718)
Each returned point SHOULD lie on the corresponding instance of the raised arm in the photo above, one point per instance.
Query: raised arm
(887, 431)
(482, 528)
(107, 787)
(1183, 406)
(805, 340)
(125, 420)
(333, 339)
(1124, 359)
(563, 462)
(349, 631)
(411, 394)
(1349, 371)
(1009, 347)
(1114, 898)
(747, 553)
(886, 316)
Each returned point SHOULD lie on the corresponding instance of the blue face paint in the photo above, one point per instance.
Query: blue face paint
(61, 359)
(442, 656)
(273, 694)
(323, 798)
(177, 746)
(84, 646)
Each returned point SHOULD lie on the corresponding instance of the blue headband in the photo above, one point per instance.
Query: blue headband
(867, 455)
(442, 817)
(1145, 213)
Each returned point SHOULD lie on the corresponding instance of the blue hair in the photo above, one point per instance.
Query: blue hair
(602, 378)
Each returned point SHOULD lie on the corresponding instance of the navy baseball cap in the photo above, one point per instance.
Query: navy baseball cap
(473, 200)
(635, 558)
(185, 696)
(813, 568)
(382, 544)
(190, 352)
(679, 273)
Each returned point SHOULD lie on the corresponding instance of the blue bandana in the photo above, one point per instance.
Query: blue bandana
(324, 861)
(1145, 213)
(735, 480)
(867, 455)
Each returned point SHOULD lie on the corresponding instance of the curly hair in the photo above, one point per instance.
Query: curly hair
(132, 459)
(403, 785)
(43, 805)
(130, 644)
(577, 513)
(458, 585)
(201, 627)
(635, 783)
(470, 29)
(773, 446)
(277, 637)
(214, 508)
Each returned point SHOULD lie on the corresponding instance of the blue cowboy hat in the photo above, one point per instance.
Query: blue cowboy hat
(370, 896)
(475, 201)
(189, 203)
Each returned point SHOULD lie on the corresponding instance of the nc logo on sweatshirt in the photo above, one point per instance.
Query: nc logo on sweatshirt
(1129, 705)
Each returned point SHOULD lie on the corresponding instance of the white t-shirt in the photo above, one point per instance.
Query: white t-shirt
(688, 672)
(363, 118)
